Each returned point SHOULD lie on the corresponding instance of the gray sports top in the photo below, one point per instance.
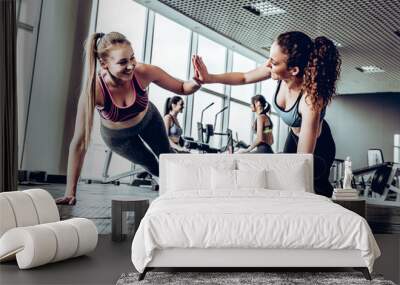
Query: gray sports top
(292, 117)
(174, 130)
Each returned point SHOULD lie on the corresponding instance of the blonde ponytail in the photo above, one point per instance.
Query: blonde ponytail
(97, 47)
(89, 89)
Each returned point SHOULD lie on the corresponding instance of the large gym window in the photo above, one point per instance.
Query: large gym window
(132, 26)
(242, 64)
(240, 121)
(170, 52)
(214, 56)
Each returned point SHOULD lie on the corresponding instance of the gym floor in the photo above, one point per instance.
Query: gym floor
(111, 259)
(94, 201)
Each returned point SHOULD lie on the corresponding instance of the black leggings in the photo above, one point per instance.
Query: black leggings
(263, 148)
(128, 142)
(324, 155)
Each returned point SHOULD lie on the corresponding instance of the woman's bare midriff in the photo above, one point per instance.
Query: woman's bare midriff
(174, 139)
(296, 131)
(267, 138)
(125, 124)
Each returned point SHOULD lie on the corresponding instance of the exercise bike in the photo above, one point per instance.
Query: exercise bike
(205, 133)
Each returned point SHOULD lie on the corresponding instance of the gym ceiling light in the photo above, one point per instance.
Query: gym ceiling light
(370, 69)
(337, 44)
(264, 9)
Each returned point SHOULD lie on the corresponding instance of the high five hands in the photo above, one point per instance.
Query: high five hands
(201, 75)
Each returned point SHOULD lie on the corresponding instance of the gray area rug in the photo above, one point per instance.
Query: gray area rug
(232, 278)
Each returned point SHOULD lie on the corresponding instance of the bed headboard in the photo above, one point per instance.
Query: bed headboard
(284, 163)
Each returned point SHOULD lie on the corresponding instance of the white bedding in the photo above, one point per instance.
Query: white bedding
(253, 218)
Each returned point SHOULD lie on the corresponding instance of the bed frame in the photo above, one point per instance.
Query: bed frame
(240, 259)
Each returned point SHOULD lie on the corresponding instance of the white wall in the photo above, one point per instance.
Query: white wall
(360, 122)
(56, 84)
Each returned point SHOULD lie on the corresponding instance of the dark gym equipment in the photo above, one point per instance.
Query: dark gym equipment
(204, 135)
(139, 176)
(379, 182)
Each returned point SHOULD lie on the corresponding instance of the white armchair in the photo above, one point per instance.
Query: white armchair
(32, 233)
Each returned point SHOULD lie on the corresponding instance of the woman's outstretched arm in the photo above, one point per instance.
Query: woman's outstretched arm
(157, 75)
(231, 78)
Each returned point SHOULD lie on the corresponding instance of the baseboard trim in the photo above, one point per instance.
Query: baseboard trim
(27, 176)
(56, 178)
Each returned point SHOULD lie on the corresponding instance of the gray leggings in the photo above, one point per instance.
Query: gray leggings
(128, 142)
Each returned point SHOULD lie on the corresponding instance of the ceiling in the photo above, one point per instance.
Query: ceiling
(364, 28)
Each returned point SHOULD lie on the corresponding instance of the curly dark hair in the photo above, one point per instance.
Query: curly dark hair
(318, 62)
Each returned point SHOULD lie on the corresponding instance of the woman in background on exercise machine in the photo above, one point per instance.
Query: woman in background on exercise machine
(128, 119)
(262, 127)
(173, 107)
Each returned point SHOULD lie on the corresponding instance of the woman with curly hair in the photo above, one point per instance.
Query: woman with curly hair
(307, 71)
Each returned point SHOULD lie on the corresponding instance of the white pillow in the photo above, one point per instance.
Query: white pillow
(192, 176)
(251, 178)
(294, 178)
(225, 179)
(282, 174)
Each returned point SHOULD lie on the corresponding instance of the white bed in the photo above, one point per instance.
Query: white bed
(247, 211)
